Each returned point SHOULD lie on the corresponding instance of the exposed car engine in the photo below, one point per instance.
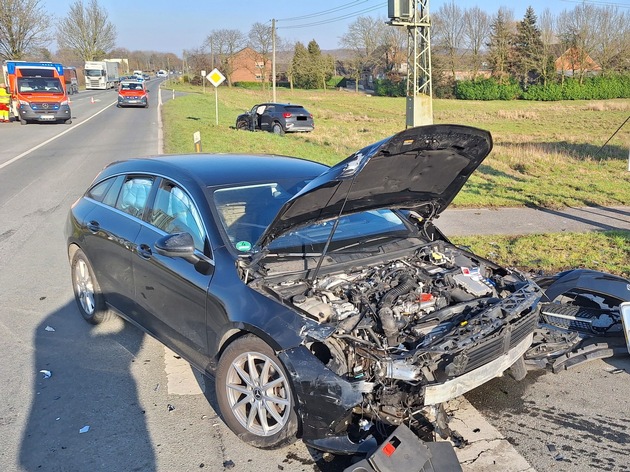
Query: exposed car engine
(424, 318)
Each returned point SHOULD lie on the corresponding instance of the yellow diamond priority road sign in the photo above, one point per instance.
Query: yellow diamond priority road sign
(215, 77)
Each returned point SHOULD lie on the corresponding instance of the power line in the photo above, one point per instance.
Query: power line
(325, 12)
(600, 3)
(332, 20)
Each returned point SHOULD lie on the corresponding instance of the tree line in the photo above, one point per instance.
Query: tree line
(464, 41)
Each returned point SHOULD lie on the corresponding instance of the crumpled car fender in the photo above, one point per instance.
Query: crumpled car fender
(325, 399)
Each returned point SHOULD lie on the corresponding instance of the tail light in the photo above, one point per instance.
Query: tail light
(286, 114)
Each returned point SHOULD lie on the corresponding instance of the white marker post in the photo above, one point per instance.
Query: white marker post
(197, 141)
(203, 76)
(216, 78)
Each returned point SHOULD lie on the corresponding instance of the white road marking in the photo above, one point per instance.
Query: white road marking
(26, 153)
(159, 121)
(182, 378)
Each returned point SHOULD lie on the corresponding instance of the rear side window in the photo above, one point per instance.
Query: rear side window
(134, 195)
(106, 191)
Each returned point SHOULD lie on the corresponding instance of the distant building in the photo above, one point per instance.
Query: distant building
(250, 66)
(575, 61)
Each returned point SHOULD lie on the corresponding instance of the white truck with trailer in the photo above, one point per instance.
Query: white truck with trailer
(101, 75)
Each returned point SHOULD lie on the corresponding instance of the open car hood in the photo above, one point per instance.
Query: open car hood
(420, 167)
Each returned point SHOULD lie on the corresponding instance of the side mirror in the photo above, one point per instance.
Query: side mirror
(177, 245)
(625, 322)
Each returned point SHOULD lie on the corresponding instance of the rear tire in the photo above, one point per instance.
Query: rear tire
(277, 129)
(254, 394)
(87, 292)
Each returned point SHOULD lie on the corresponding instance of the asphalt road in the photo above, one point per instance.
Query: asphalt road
(144, 409)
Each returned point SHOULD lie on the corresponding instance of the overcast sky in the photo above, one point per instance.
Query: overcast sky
(175, 25)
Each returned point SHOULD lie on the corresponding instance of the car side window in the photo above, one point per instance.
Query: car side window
(270, 109)
(174, 212)
(134, 194)
(106, 191)
(99, 191)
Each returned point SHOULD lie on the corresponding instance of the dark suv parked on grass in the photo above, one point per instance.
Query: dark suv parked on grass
(278, 118)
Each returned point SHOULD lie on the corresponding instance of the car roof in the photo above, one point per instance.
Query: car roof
(281, 104)
(212, 170)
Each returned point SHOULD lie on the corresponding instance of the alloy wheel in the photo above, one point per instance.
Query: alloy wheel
(258, 394)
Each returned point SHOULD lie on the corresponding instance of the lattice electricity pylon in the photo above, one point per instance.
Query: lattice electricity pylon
(419, 52)
(414, 15)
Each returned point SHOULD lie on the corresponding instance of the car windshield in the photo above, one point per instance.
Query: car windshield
(246, 211)
(130, 86)
(40, 85)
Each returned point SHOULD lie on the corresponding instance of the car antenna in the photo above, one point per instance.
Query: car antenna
(332, 232)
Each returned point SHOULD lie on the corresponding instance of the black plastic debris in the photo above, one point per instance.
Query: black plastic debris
(403, 451)
(228, 464)
(170, 407)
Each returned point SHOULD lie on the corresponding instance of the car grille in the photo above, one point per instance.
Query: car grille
(491, 349)
(44, 107)
(581, 319)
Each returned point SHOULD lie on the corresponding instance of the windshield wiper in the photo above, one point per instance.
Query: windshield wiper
(347, 248)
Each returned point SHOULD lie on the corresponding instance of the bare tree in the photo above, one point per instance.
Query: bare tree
(448, 33)
(24, 26)
(548, 37)
(395, 49)
(224, 44)
(578, 32)
(261, 41)
(476, 31)
(364, 37)
(612, 38)
(87, 30)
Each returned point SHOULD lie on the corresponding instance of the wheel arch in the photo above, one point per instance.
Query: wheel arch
(233, 333)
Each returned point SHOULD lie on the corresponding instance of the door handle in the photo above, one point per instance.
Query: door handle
(93, 226)
(144, 251)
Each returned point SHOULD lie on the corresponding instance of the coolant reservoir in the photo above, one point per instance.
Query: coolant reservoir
(319, 310)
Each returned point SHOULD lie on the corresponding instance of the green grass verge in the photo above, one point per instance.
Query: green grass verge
(608, 251)
(545, 153)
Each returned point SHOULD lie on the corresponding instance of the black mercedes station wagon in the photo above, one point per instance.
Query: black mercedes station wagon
(323, 300)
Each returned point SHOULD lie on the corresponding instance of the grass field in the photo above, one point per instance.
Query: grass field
(545, 154)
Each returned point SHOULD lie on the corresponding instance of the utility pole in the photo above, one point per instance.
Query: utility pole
(273, 59)
(414, 15)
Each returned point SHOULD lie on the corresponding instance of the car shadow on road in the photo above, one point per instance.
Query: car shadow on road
(90, 389)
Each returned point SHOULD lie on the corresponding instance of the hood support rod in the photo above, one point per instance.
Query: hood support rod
(332, 233)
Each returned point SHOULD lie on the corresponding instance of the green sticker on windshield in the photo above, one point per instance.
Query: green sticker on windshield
(243, 246)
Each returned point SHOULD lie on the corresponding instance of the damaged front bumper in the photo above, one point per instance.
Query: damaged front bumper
(450, 389)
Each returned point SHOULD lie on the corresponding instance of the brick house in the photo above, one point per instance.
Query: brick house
(250, 66)
(575, 61)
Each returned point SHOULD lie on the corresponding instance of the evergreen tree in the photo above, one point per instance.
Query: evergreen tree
(528, 49)
(301, 67)
(501, 38)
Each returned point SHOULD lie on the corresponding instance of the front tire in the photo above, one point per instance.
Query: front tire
(87, 291)
(242, 125)
(255, 395)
